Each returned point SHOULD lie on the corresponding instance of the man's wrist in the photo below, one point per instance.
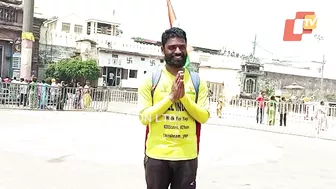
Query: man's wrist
(171, 98)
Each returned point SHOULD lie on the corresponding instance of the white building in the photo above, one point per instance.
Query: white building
(223, 74)
(67, 30)
(126, 68)
(124, 61)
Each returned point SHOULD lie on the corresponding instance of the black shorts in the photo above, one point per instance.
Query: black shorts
(178, 174)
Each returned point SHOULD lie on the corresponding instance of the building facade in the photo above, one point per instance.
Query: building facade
(123, 61)
(11, 17)
(60, 37)
(126, 69)
(278, 76)
(222, 72)
(252, 71)
(10, 31)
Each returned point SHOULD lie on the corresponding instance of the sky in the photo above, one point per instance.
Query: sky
(216, 24)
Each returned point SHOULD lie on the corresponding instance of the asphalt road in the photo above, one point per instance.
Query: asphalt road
(95, 150)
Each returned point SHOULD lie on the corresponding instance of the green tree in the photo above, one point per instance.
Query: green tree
(74, 68)
(194, 67)
(268, 88)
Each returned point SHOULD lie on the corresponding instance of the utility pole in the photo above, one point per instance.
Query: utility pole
(322, 74)
(321, 38)
(254, 45)
(27, 38)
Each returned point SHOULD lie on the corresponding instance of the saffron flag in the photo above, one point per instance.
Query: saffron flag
(174, 23)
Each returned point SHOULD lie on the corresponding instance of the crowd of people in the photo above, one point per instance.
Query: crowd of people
(40, 94)
(276, 108)
(282, 107)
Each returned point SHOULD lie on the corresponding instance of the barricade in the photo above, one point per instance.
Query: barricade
(304, 119)
(47, 97)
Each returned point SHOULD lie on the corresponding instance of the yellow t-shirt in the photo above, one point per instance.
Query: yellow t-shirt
(172, 126)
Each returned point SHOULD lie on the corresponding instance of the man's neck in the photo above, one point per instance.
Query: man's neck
(173, 70)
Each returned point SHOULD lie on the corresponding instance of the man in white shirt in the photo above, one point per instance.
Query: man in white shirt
(321, 116)
(23, 92)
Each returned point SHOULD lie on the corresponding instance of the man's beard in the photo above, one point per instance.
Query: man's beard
(175, 63)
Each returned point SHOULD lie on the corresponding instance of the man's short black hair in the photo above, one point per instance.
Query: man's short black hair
(173, 32)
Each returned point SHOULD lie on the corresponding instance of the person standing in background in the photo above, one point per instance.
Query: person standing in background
(321, 116)
(53, 91)
(220, 104)
(87, 100)
(44, 95)
(271, 110)
(33, 94)
(283, 109)
(78, 96)
(260, 110)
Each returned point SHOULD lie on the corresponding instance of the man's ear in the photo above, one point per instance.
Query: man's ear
(162, 49)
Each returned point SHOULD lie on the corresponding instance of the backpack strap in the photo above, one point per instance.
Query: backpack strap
(195, 78)
(156, 75)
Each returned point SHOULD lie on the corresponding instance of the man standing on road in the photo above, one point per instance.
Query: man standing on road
(283, 109)
(260, 110)
(172, 118)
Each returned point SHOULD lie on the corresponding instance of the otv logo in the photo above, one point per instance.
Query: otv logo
(309, 24)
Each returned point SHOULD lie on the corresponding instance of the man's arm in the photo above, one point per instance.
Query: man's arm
(147, 111)
(200, 110)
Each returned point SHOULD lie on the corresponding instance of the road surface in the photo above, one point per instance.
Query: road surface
(94, 150)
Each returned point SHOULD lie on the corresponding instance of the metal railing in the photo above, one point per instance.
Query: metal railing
(304, 119)
(47, 97)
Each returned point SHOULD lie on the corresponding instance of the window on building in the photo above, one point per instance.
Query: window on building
(88, 26)
(103, 28)
(124, 74)
(114, 56)
(66, 27)
(143, 59)
(16, 63)
(250, 86)
(78, 28)
(133, 74)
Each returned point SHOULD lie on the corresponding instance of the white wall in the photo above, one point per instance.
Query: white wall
(313, 72)
(106, 60)
(217, 61)
(59, 38)
(73, 20)
(230, 78)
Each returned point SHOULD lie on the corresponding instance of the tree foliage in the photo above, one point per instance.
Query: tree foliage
(74, 69)
(194, 67)
(268, 88)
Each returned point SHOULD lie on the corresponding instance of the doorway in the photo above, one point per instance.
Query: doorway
(113, 76)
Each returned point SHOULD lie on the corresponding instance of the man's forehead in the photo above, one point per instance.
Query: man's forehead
(175, 40)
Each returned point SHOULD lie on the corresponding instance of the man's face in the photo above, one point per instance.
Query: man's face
(175, 52)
